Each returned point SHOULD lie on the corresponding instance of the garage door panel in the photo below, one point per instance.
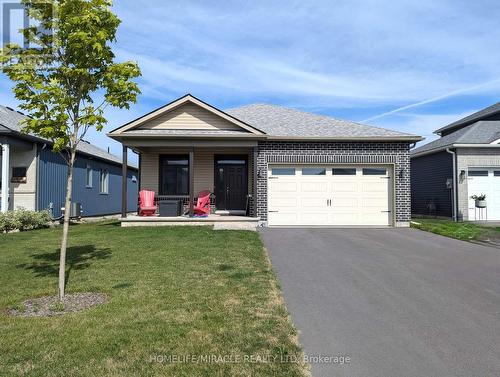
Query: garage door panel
(285, 202)
(314, 218)
(373, 218)
(374, 186)
(344, 186)
(314, 186)
(339, 199)
(374, 202)
(345, 202)
(313, 202)
(488, 184)
(282, 186)
(345, 218)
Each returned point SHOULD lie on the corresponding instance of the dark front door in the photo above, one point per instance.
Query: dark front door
(231, 182)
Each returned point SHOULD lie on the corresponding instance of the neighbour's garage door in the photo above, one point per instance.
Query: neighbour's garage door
(329, 195)
(484, 181)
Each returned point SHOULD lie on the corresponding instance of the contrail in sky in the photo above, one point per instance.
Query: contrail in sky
(430, 100)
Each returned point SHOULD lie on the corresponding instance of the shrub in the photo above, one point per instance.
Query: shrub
(23, 219)
(8, 221)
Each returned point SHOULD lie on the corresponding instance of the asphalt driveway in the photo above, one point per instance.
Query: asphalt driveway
(397, 302)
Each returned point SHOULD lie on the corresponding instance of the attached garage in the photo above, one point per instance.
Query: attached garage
(484, 181)
(330, 195)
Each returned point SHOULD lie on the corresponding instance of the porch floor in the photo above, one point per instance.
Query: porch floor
(228, 221)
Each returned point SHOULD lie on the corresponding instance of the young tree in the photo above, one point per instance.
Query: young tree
(66, 76)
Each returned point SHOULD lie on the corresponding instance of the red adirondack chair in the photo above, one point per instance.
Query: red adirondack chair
(147, 203)
(202, 206)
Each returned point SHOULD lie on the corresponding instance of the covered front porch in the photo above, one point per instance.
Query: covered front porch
(187, 147)
(180, 173)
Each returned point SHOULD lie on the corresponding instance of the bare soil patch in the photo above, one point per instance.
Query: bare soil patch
(49, 306)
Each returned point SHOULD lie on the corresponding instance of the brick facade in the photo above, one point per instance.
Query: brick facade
(396, 153)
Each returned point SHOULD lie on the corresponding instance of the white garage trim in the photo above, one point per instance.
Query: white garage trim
(363, 199)
(485, 180)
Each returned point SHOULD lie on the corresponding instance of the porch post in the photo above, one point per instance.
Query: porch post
(124, 182)
(191, 182)
(5, 176)
(255, 177)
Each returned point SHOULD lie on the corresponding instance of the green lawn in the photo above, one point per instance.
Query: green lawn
(173, 291)
(459, 230)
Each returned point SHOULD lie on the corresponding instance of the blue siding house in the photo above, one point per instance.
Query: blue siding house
(36, 176)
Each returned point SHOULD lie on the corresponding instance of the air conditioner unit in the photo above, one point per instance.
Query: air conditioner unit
(76, 211)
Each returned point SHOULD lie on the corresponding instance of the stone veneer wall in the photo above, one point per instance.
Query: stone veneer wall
(396, 153)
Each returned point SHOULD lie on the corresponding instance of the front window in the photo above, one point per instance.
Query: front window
(19, 175)
(104, 181)
(174, 175)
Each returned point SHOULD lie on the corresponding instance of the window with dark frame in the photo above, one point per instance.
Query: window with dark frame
(283, 171)
(313, 171)
(19, 175)
(374, 171)
(344, 171)
(478, 173)
(174, 175)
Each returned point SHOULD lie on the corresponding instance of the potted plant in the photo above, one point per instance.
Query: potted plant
(480, 200)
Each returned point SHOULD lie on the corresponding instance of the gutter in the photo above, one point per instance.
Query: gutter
(439, 149)
(124, 135)
(455, 183)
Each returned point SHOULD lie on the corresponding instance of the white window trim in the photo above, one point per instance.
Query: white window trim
(88, 179)
(104, 181)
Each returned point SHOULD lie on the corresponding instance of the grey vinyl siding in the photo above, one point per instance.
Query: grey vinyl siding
(52, 185)
(428, 184)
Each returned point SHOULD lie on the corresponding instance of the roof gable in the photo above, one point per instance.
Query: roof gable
(187, 113)
(11, 121)
(478, 133)
(477, 116)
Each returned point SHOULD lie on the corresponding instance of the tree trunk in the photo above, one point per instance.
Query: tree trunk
(64, 242)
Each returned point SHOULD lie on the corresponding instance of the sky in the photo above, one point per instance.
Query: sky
(412, 66)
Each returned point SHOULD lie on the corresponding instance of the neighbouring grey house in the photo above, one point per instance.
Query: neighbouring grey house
(463, 162)
(33, 177)
(280, 166)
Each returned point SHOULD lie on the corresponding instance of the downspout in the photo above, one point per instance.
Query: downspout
(455, 183)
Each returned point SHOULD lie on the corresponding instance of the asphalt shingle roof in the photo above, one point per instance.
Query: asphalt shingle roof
(11, 120)
(286, 122)
(482, 132)
(491, 110)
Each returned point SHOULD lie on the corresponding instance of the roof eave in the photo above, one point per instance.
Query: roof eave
(470, 121)
(409, 138)
(455, 145)
(122, 136)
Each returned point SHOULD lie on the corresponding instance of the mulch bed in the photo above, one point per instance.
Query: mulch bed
(51, 306)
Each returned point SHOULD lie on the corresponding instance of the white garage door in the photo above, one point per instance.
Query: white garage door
(329, 195)
(484, 181)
